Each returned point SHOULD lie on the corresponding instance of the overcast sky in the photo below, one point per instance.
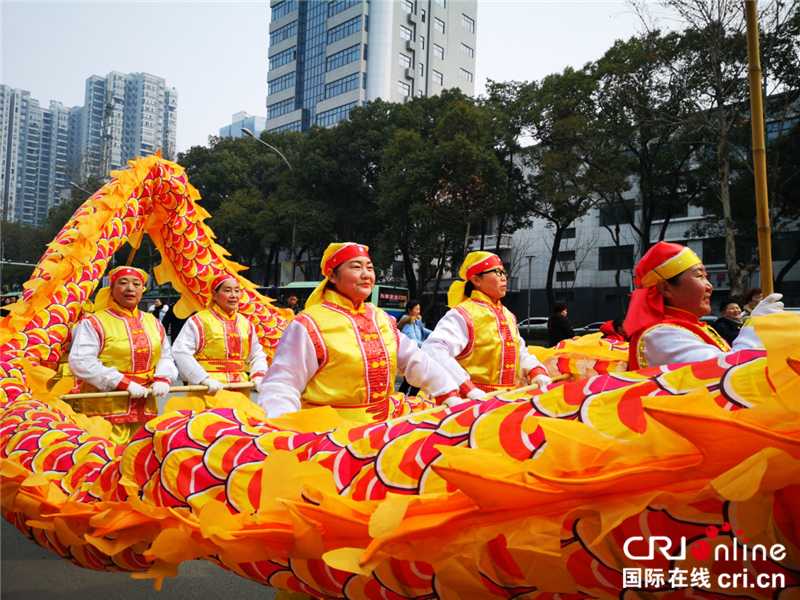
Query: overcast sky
(215, 53)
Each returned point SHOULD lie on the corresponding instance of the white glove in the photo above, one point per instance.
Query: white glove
(543, 381)
(768, 306)
(453, 401)
(137, 391)
(257, 382)
(160, 389)
(213, 385)
(477, 394)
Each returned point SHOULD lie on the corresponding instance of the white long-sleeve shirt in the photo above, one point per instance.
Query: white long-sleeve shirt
(295, 363)
(85, 365)
(188, 342)
(450, 338)
(667, 345)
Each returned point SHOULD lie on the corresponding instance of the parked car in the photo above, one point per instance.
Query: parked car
(590, 328)
(532, 323)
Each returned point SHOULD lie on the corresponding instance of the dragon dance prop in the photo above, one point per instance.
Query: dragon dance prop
(567, 493)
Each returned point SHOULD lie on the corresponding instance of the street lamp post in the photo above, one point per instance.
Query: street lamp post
(294, 225)
(530, 258)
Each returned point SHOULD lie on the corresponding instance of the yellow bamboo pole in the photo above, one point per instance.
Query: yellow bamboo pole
(177, 388)
(522, 390)
(759, 149)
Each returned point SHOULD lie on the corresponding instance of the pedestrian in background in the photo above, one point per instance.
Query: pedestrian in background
(411, 325)
(558, 326)
(751, 299)
(729, 324)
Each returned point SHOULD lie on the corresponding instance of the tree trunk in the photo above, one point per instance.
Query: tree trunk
(411, 277)
(551, 268)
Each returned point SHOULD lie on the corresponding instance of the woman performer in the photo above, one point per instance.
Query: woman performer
(122, 348)
(216, 344)
(663, 320)
(343, 352)
(477, 341)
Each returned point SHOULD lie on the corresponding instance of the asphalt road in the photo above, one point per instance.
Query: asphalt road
(29, 572)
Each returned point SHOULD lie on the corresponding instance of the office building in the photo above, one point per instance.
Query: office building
(327, 57)
(242, 120)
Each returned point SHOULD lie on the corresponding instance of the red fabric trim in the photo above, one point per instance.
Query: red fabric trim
(126, 272)
(343, 255)
(484, 265)
(314, 333)
(201, 334)
(161, 379)
(440, 399)
(98, 329)
(537, 371)
(466, 387)
(124, 383)
(470, 333)
(259, 374)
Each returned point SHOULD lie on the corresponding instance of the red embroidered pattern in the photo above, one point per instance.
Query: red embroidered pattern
(470, 333)
(98, 329)
(373, 351)
(141, 350)
(233, 339)
(316, 338)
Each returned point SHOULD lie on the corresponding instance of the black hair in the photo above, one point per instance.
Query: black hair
(723, 306)
(618, 323)
(748, 295)
(411, 304)
(559, 307)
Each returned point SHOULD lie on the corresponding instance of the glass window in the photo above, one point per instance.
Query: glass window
(569, 233)
(714, 251)
(566, 256)
(346, 56)
(608, 258)
(421, 70)
(283, 8)
(422, 14)
(340, 86)
(405, 33)
(283, 58)
(466, 75)
(438, 51)
(565, 276)
(333, 116)
(335, 7)
(281, 83)
(618, 213)
(467, 23)
(342, 31)
(467, 50)
(440, 3)
(437, 77)
(404, 61)
(407, 6)
(784, 244)
(403, 88)
(280, 108)
(438, 25)
(283, 33)
(422, 42)
(295, 126)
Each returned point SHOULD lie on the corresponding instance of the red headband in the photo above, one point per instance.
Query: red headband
(347, 253)
(125, 272)
(484, 265)
(220, 279)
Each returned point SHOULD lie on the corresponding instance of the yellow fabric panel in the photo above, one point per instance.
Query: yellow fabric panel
(216, 348)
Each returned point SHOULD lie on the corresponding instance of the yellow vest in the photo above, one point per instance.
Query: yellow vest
(491, 356)
(130, 341)
(357, 358)
(224, 344)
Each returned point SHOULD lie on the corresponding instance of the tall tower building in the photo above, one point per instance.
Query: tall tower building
(326, 57)
(126, 115)
(34, 154)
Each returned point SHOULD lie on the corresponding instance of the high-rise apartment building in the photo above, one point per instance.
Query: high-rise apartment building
(34, 154)
(126, 115)
(42, 149)
(326, 57)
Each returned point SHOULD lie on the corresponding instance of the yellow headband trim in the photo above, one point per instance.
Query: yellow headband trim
(676, 265)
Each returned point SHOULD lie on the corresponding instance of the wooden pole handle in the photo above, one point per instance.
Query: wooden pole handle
(177, 388)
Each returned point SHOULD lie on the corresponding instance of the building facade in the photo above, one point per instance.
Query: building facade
(43, 149)
(34, 153)
(243, 120)
(327, 57)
